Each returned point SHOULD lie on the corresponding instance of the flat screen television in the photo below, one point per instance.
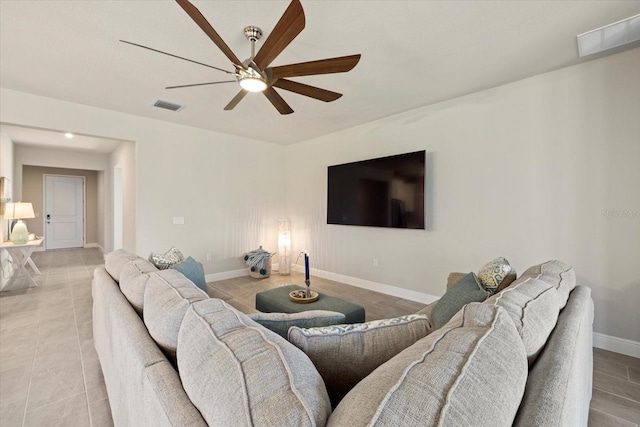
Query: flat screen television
(383, 192)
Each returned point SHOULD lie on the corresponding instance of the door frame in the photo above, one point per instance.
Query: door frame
(44, 205)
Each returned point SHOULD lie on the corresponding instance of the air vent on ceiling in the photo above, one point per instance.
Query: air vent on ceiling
(168, 105)
(610, 36)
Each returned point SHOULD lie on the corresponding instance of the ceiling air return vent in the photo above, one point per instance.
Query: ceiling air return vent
(168, 105)
(610, 36)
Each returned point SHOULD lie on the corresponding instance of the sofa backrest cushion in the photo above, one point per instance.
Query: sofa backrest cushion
(559, 385)
(116, 260)
(533, 306)
(556, 273)
(167, 296)
(133, 281)
(470, 372)
(345, 354)
(237, 372)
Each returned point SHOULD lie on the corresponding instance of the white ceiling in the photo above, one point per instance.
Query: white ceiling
(414, 53)
(50, 139)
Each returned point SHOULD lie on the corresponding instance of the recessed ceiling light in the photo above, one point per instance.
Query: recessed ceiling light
(68, 135)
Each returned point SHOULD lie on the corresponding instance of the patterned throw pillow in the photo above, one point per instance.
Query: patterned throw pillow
(166, 260)
(496, 275)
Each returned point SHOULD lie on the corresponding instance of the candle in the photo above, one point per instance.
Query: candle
(306, 266)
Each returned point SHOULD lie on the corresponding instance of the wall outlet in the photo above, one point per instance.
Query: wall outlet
(375, 262)
(209, 257)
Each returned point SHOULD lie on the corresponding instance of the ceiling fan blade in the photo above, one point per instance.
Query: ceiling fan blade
(306, 90)
(288, 27)
(236, 99)
(202, 22)
(176, 56)
(200, 84)
(277, 101)
(322, 66)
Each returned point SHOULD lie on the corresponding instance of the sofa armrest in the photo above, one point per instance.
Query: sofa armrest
(281, 322)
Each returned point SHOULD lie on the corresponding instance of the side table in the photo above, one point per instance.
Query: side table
(21, 255)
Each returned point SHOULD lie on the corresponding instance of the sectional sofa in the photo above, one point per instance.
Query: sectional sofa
(172, 356)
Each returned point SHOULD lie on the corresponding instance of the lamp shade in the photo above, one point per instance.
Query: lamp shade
(18, 210)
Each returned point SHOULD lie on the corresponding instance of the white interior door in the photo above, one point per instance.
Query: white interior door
(64, 212)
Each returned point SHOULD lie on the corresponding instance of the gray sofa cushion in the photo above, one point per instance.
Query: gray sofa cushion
(114, 261)
(133, 281)
(345, 354)
(167, 296)
(238, 373)
(533, 306)
(556, 273)
(443, 378)
(281, 322)
(559, 385)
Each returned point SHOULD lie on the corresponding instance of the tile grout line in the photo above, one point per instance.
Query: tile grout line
(611, 415)
(82, 361)
(617, 395)
(33, 363)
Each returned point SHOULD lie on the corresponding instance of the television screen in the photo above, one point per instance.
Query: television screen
(384, 192)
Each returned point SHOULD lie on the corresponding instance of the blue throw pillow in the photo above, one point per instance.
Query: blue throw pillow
(192, 271)
(461, 293)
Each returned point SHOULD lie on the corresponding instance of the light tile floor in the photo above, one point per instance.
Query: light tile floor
(49, 370)
(50, 374)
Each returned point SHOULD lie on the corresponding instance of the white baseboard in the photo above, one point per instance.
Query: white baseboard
(617, 345)
(372, 286)
(94, 245)
(214, 277)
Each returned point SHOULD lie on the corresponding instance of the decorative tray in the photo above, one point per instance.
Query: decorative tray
(300, 296)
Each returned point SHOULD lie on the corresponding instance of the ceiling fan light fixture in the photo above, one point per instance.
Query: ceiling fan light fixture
(253, 84)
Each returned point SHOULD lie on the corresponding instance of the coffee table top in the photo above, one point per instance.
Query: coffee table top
(277, 300)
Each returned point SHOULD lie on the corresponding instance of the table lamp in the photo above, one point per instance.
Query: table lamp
(19, 211)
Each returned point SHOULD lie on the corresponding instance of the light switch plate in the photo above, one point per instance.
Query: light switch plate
(178, 220)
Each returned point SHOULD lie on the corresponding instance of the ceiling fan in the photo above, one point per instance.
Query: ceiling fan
(254, 74)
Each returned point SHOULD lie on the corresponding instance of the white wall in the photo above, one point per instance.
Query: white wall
(6, 170)
(528, 171)
(124, 158)
(228, 189)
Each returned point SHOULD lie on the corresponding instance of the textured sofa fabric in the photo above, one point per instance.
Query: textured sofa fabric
(556, 273)
(238, 373)
(465, 373)
(345, 354)
(134, 276)
(533, 306)
(127, 356)
(470, 372)
(116, 260)
(560, 383)
(167, 296)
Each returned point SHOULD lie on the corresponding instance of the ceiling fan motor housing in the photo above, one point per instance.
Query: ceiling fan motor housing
(252, 33)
